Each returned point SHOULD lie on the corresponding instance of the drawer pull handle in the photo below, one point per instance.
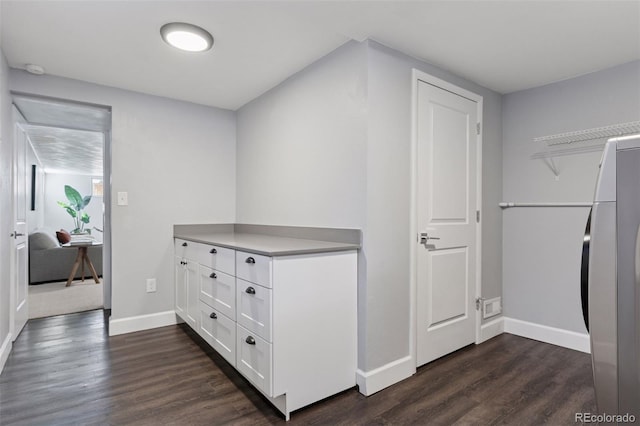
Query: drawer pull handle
(250, 340)
(184, 244)
(250, 290)
(213, 251)
(250, 260)
(213, 275)
(213, 315)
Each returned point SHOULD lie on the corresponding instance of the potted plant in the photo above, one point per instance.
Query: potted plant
(75, 208)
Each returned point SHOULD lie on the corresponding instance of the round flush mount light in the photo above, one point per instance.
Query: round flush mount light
(186, 37)
(34, 69)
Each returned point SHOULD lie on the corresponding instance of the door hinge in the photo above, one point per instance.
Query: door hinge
(478, 216)
(478, 128)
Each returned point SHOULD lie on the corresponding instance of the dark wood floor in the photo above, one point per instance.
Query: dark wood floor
(65, 370)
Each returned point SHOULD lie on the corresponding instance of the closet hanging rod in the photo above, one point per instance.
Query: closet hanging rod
(513, 204)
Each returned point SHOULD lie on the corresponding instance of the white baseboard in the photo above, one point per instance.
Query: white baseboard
(543, 333)
(370, 382)
(142, 322)
(491, 329)
(5, 350)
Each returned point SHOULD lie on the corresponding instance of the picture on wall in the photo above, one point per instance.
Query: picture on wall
(33, 187)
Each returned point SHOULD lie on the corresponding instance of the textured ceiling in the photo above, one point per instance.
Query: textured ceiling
(66, 137)
(77, 152)
(504, 45)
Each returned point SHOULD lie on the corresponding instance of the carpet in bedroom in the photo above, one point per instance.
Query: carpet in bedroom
(46, 300)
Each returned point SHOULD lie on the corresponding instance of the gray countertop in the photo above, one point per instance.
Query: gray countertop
(268, 245)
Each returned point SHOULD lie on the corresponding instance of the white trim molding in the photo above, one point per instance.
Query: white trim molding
(543, 333)
(370, 382)
(491, 329)
(141, 322)
(5, 350)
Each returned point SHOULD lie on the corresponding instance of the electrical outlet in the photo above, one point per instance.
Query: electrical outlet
(151, 285)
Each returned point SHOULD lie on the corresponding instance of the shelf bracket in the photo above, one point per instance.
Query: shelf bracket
(551, 163)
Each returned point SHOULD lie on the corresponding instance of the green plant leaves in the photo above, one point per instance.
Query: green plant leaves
(76, 204)
(74, 197)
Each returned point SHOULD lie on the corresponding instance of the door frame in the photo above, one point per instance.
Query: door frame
(416, 76)
(16, 119)
(106, 179)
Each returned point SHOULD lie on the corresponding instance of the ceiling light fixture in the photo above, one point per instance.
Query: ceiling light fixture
(186, 37)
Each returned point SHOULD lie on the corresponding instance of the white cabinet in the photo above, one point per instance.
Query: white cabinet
(186, 279)
(254, 268)
(219, 258)
(254, 359)
(254, 308)
(218, 290)
(219, 331)
(287, 323)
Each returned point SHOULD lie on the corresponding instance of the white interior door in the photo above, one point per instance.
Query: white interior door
(19, 274)
(446, 203)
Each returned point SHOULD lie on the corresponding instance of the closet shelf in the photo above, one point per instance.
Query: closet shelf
(605, 132)
(579, 142)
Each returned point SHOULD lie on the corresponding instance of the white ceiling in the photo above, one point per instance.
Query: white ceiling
(506, 45)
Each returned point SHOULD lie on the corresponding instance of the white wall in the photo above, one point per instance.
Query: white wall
(175, 159)
(302, 147)
(55, 217)
(5, 202)
(331, 147)
(542, 246)
(387, 234)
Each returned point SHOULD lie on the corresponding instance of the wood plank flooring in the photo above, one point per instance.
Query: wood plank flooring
(66, 371)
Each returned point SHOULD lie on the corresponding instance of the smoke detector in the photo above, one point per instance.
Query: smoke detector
(34, 69)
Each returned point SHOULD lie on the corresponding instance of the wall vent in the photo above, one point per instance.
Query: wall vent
(491, 307)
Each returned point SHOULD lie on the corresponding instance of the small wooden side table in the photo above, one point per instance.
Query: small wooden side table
(81, 259)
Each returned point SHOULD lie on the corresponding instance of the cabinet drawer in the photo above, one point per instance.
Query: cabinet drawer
(254, 359)
(254, 268)
(253, 310)
(219, 258)
(218, 290)
(186, 249)
(218, 331)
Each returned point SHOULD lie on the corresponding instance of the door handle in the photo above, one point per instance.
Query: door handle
(584, 273)
(424, 237)
(17, 234)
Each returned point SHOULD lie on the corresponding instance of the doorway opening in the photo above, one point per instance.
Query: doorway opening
(67, 167)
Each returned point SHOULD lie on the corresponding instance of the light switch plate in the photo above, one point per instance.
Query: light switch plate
(123, 199)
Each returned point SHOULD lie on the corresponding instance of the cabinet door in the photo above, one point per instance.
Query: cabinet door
(193, 287)
(254, 359)
(254, 308)
(181, 289)
(218, 290)
(219, 331)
